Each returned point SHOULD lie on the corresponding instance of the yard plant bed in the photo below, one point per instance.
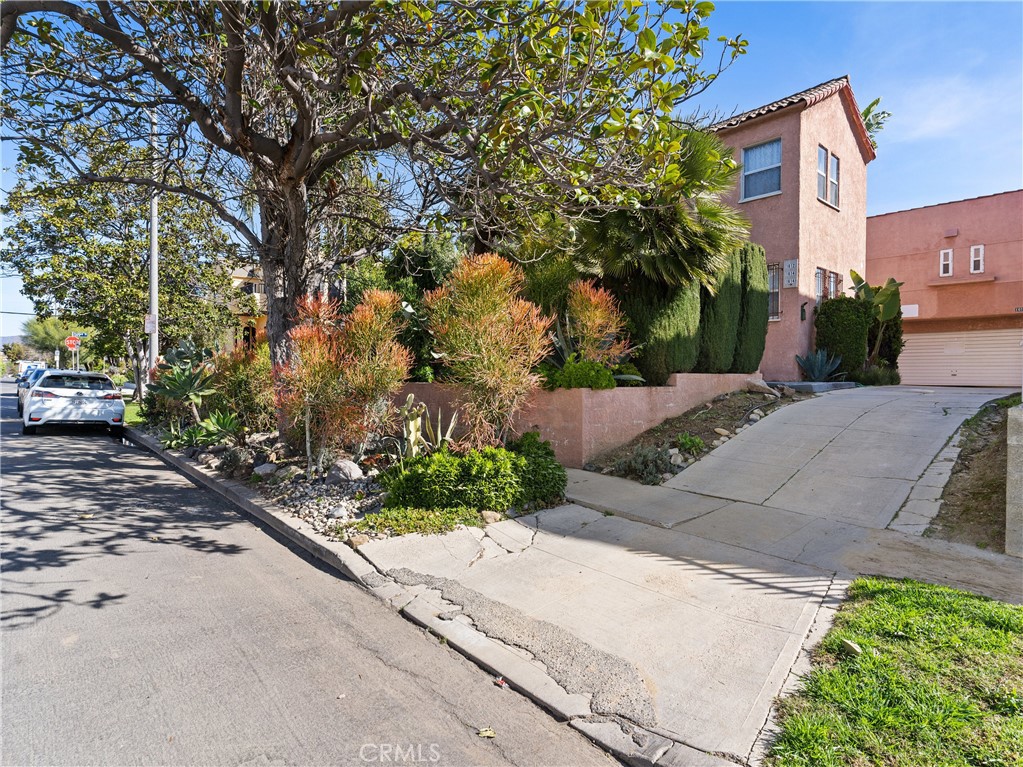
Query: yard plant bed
(729, 412)
(910, 674)
(973, 502)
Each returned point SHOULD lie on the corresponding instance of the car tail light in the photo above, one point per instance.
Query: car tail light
(116, 420)
(43, 394)
(111, 396)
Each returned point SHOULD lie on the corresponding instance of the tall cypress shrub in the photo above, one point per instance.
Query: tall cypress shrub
(842, 324)
(719, 320)
(752, 333)
(665, 325)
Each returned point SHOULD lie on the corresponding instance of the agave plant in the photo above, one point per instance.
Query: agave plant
(223, 425)
(186, 385)
(819, 366)
(419, 434)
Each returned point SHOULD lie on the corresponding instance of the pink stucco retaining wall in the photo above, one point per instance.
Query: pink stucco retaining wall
(583, 423)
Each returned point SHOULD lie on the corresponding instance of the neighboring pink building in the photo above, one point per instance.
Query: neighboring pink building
(804, 190)
(962, 301)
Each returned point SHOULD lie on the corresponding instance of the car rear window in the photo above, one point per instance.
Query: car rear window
(94, 383)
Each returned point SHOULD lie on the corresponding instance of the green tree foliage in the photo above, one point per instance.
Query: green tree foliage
(752, 334)
(842, 324)
(15, 351)
(47, 334)
(665, 326)
(424, 258)
(681, 235)
(891, 343)
(82, 252)
(475, 110)
(874, 119)
(719, 319)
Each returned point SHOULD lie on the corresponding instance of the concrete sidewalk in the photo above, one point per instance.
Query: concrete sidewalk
(683, 608)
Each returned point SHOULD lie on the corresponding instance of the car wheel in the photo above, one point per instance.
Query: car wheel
(28, 429)
(21, 410)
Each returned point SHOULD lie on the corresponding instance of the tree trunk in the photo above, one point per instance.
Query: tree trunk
(284, 263)
(139, 356)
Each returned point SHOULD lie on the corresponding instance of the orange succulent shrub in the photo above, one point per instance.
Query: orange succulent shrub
(490, 340)
(374, 364)
(596, 323)
(337, 383)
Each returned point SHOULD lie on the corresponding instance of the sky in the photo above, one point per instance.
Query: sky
(951, 74)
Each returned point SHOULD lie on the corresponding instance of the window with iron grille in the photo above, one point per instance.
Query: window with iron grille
(828, 284)
(774, 291)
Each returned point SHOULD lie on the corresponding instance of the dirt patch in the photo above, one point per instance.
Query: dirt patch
(973, 502)
(692, 435)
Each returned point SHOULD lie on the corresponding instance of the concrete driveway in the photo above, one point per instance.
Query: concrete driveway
(683, 608)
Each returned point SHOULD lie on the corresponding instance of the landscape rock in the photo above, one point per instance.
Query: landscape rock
(851, 648)
(722, 432)
(358, 540)
(490, 517)
(287, 473)
(677, 460)
(344, 471)
(759, 386)
(673, 451)
(206, 459)
(788, 391)
(217, 449)
(667, 475)
(265, 469)
(753, 418)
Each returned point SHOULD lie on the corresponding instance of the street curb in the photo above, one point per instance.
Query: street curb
(487, 653)
(337, 555)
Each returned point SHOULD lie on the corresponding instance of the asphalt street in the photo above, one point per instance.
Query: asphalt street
(144, 621)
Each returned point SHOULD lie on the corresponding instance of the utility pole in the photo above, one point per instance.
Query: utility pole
(153, 320)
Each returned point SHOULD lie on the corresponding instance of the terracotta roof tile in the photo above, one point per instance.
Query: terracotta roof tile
(810, 96)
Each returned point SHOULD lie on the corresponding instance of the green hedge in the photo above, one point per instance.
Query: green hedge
(665, 323)
(577, 374)
(752, 333)
(544, 480)
(842, 324)
(719, 319)
(480, 479)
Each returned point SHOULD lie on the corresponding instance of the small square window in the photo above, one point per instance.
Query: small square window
(945, 263)
(977, 259)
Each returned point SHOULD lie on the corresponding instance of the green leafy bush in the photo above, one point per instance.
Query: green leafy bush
(543, 479)
(244, 385)
(719, 319)
(578, 374)
(647, 464)
(892, 341)
(876, 375)
(665, 324)
(751, 336)
(842, 325)
(480, 479)
(627, 374)
(690, 443)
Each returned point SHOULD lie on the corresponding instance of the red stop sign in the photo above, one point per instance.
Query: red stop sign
(72, 343)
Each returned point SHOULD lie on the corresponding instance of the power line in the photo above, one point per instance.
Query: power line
(26, 314)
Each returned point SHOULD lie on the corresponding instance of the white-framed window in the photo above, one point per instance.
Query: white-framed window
(761, 170)
(822, 173)
(945, 263)
(774, 291)
(827, 176)
(976, 259)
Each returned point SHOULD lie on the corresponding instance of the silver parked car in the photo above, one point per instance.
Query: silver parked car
(73, 397)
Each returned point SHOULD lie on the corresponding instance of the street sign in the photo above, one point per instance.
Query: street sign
(150, 324)
(80, 334)
(72, 343)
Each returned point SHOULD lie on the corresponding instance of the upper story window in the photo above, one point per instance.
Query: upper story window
(827, 176)
(945, 263)
(761, 170)
(976, 259)
(252, 288)
(774, 291)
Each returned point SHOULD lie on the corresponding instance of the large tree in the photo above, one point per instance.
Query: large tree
(82, 252)
(482, 111)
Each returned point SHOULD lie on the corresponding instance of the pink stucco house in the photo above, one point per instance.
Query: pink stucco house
(962, 301)
(804, 190)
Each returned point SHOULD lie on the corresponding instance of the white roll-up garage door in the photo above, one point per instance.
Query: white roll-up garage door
(969, 358)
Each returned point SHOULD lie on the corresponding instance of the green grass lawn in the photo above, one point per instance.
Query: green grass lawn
(131, 414)
(939, 682)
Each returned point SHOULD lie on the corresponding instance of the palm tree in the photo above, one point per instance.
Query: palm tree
(678, 238)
